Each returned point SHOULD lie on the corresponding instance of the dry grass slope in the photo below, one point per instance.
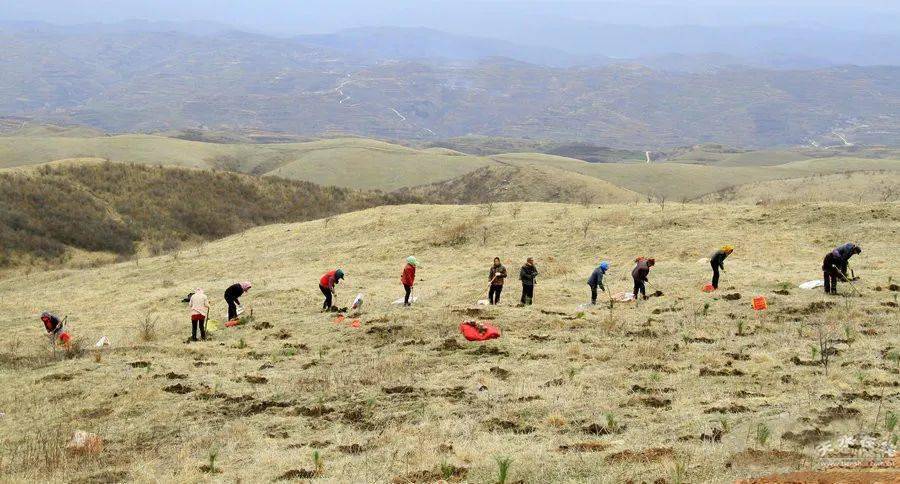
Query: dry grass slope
(568, 395)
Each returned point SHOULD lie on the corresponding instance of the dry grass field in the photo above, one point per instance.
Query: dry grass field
(686, 387)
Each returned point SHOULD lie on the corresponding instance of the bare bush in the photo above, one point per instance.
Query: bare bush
(147, 330)
(454, 234)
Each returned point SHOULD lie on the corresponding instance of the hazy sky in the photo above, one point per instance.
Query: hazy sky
(467, 16)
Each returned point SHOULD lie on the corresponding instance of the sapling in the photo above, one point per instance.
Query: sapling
(503, 469)
(447, 470)
(762, 433)
(890, 422)
(212, 456)
(318, 463)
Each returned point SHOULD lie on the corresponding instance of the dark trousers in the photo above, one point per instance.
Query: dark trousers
(198, 321)
(232, 308)
(715, 279)
(832, 267)
(494, 293)
(327, 293)
(527, 293)
(593, 294)
(408, 290)
(639, 287)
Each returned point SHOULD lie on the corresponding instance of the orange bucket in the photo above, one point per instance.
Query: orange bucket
(760, 303)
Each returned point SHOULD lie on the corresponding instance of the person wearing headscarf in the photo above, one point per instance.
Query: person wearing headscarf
(327, 284)
(55, 327)
(199, 304)
(717, 261)
(408, 277)
(232, 294)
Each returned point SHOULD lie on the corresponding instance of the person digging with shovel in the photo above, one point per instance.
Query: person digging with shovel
(408, 278)
(596, 280)
(640, 274)
(717, 261)
(327, 285)
(232, 294)
(56, 329)
(835, 266)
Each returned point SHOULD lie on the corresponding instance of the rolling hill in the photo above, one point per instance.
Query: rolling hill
(377, 165)
(687, 385)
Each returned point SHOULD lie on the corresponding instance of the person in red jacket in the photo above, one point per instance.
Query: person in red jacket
(408, 277)
(326, 285)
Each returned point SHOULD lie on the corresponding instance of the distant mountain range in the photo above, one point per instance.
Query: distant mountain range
(422, 84)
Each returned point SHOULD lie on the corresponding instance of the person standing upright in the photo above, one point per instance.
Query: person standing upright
(528, 275)
(496, 276)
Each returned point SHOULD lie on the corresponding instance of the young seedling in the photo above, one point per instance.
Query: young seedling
(890, 422)
(241, 344)
(678, 473)
(212, 456)
(318, 463)
(447, 470)
(762, 434)
(503, 469)
(611, 424)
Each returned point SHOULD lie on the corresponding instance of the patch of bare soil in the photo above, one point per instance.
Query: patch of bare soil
(256, 380)
(295, 474)
(732, 297)
(840, 412)
(456, 474)
(497, 425)
(499, 372)
(584, 447)
(733, 408)
(106, 477)
(807, 437)
(139, 364)
(767, 458)
(644, 333)
(721, 372)
(655, 454)
(600, 429)
(178, 388)
(449, 344)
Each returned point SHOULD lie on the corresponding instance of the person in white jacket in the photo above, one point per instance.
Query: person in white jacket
(199, 309)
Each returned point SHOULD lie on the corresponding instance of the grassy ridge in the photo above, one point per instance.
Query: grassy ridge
(121, 208)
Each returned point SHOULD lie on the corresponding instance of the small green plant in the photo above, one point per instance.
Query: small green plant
(241, 344)
(724, 423)
(678, 473)
(611, 423)
(655, 376)
(895, 357)
(447, 470)
(740, 328)
(211, 459)
(503, 469)
(814, 351)
(890, 422)
(849, 334)
(572, 372)
(580, 315)
(318, 463)
(762, 433)
(705, 309)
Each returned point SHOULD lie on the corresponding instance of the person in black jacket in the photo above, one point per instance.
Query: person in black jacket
(232, 294)
(717, 261)
(527, 275)
(836, 264)
(640, 274)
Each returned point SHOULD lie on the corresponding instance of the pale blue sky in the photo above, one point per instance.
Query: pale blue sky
(473, 17)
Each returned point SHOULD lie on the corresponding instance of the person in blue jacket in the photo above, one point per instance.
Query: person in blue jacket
(596, 280)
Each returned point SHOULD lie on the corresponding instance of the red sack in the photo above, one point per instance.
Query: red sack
(471, 333)
(708, 287)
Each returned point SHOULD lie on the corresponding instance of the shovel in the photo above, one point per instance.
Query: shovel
(847, 280)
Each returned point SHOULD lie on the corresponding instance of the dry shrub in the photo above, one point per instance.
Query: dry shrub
(147, 330)
(454, 234)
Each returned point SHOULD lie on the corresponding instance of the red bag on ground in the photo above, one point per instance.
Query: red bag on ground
(708, 287)
(64, 338)
(472, 333)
